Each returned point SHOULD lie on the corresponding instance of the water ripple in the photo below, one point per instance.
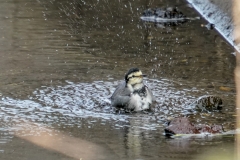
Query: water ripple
(66, 105)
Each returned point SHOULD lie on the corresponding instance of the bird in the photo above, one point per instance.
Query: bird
(132, 94)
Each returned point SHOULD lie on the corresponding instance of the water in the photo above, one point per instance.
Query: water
(61, 61)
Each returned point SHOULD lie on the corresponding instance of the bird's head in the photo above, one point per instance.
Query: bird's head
(134, 76)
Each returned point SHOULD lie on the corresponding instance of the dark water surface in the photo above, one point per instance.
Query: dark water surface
(61, 61)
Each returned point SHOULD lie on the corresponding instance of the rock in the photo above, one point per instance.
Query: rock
(213, 129)
(170, 16)
(182, 125)
(168, 13)
(208, 103)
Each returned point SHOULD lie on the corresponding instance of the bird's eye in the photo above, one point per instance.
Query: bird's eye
(133, 76)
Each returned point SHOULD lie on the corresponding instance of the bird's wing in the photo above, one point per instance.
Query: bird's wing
(121, 96)
(121, 90)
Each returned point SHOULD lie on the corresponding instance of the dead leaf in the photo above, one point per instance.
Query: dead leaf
(222, 88)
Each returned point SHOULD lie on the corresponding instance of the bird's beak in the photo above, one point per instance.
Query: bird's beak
(144, 75)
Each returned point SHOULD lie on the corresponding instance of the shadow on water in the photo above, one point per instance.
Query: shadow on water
(61, 61)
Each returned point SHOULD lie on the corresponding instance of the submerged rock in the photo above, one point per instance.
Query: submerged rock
(169, 15)
(182, 125)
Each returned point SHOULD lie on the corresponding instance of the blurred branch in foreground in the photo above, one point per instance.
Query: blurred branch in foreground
(236, 13)
(70, 146)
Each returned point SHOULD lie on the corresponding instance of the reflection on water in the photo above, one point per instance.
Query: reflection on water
(61, 60)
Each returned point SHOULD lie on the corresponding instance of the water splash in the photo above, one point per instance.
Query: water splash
(67, 105)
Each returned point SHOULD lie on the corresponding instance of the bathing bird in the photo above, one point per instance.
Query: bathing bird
(133, 94)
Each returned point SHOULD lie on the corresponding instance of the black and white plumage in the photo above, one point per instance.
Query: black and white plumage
(133, 94)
